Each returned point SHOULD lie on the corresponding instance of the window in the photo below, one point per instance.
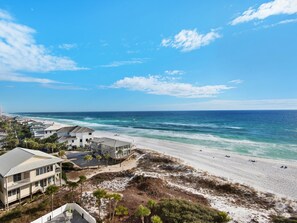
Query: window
(90, 133)
(17, 177)
(80, 140)
(45, 132)
(13, 192)
(36, 184)
(43, 170)
(72, 140)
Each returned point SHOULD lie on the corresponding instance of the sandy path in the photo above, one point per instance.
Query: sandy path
(89, 173)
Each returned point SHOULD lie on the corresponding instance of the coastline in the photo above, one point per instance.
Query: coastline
(265, 175)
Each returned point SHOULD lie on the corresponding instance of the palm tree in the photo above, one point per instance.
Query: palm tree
(98, 158)
(121, 211)
(81, 181)
(156, 219)
(106, 156)
(88, 158)
(61, 153)
(109, 197)
(142, 212)
(50, 190)
(99, 194)
(117, 198)
(151, 204)
(72, 185)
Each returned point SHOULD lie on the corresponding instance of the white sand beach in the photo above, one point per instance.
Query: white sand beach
(265, 175)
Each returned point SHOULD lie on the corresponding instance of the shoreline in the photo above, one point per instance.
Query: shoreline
(265, 175)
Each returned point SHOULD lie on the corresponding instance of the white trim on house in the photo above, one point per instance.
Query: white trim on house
(63, 209)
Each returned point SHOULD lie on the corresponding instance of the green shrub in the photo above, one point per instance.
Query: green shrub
(176, 211)
(279, 219)
(67, 166)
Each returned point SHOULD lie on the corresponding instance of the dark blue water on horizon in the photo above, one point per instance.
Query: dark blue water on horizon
(271, 134)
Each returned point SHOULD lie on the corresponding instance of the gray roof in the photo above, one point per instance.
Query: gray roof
(111, 142)
(75, 129)
(12, 162)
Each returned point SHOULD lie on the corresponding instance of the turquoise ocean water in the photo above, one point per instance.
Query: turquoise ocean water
(271, 134)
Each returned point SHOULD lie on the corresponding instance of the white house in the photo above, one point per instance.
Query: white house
(75, 136)
(37, 129)
(24, 172)
(116, 149)
(49, 131)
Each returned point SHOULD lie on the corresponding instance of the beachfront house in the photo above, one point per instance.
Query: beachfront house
(37, 129)
(24, 172)
(75, 136)
(116, 149)
(51, 130)
(70, 212)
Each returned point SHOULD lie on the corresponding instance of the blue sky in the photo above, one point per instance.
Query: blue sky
(147, 55)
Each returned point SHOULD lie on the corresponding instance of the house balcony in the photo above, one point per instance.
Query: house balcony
(17, 184)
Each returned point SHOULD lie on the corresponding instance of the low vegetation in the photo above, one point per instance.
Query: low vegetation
(176, 210)
(279, 219)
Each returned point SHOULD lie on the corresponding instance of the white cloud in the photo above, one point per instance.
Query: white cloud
(188, 40)
(276, 7)
(237, 81)
(64, 87)
(67, 46)
(160, 86)
(13, 77)
(5, 15)
(20, 53)
(125, 62)
(174, 72)
(286, 21)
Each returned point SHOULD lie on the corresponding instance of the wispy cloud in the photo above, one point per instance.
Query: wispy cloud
(276, 7)
(237, 81)
(67, 46)
(64, 87)
(160, 86)
(174, 72)
(5, 15)
(286, 21)
(188, 40)
(14, 77)
(20, 53)
(125, 62)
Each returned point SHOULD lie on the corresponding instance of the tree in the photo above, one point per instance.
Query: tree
(142, 212)
(121, 211)
(72, 185)
(100, 194)
(117, 198)
(88, 158)
(156, 219)
(98, 158)
(106, 156)
(61, 153)
(50, 190)
(151, 204)
(81, 181)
